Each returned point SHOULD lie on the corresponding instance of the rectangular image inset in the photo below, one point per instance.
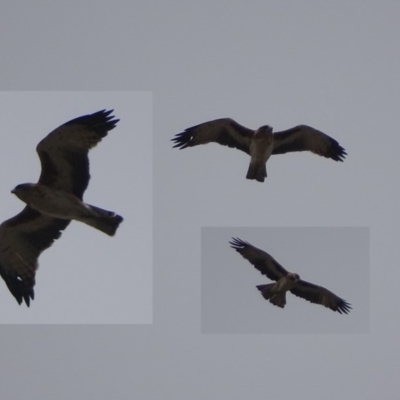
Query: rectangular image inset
(76, 242)
(285, 280)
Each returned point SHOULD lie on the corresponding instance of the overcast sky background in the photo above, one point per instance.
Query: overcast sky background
(86, 276)
(331, 65)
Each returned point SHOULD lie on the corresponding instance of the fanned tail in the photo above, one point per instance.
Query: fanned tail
(276, 298)
(257, 172)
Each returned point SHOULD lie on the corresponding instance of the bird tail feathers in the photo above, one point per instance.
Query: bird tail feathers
(276, 298)
(103, 220)
(257, 172)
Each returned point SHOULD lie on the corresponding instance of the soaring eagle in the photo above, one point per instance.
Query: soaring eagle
(260, 144)
(54, 201)
(286, 281)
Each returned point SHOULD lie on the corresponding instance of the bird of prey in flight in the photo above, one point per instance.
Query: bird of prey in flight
(54, 201)
(286, 281)
(261, 143)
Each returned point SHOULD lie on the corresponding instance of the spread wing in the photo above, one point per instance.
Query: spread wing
(303, 138)
(319, 295)
(261, 260)
(22, 239)
(224, 131)
(64, 152)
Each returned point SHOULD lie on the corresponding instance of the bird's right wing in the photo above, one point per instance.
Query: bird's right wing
(224, 131)
(22, 239)
(261, 260)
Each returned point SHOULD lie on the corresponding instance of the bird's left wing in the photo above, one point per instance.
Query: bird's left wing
(319, 295)
(306, 138)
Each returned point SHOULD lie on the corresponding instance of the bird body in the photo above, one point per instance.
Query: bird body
(64, 205)
(276, 292)
(260, 150)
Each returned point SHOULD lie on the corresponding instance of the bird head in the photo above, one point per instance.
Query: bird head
(265, 129)
(22, 190)
(294, 277)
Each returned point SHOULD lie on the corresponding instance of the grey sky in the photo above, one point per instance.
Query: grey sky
(331, 65)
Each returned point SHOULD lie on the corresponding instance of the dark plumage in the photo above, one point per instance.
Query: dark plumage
(260, 144)
(54, 201)
(286, 281)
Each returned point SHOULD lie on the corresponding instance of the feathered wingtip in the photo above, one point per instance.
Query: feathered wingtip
(22, 290)
(238, 244)
(336, 152)
(27, 297)
(108, 119)
(343, 307)
(100, 121)
(183, 139)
